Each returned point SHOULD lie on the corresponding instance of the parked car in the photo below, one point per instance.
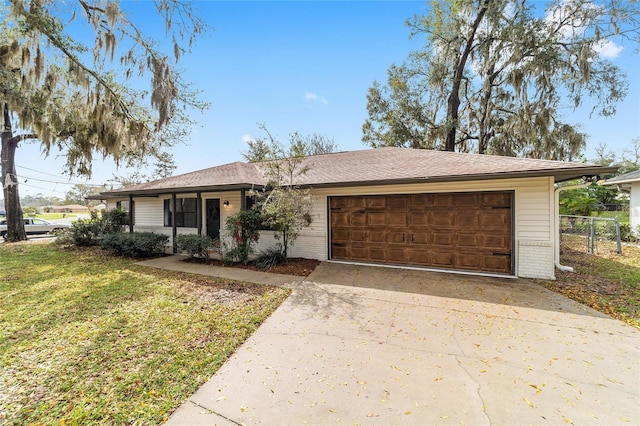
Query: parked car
(34, 226)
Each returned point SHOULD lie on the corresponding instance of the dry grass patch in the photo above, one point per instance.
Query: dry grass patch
(607, 281)
(90, 339)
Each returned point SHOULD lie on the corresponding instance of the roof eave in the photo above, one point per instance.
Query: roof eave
(169, 191)
(559, 176)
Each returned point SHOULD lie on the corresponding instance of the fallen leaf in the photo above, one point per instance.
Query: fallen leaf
(531, 404)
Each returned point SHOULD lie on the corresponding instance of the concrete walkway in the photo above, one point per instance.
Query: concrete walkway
(366, 345)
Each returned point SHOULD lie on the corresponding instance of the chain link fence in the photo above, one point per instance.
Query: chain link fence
(590, 233)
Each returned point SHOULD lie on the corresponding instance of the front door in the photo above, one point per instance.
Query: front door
(213, 218)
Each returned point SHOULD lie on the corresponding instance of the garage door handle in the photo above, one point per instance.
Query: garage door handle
(501, 254)
(411, 237)
(403, 237)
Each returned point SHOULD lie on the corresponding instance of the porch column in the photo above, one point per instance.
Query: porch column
(199, 212)
(174, 228)
(131, 213)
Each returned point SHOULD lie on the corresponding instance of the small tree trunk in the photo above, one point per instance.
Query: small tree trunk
(15, 219)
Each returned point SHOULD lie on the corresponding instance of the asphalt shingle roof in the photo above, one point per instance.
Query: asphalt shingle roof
(373, 166)
(625, 178)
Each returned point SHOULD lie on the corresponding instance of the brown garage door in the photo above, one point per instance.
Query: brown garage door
(463, 231)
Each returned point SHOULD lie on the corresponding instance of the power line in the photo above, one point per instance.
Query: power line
(57, 182)
(70, 182)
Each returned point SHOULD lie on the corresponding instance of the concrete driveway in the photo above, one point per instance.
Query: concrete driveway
(367, 345)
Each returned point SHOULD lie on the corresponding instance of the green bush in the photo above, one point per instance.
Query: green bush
(627, 234)
(86, 232)
(270, 258)
(114, 220)
(29, 211)
(243, 231)
(196, 246)
(136, 244)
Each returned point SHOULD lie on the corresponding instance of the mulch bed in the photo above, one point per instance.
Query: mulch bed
(294, 266)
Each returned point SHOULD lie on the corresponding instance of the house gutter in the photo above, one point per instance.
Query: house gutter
(557, 191)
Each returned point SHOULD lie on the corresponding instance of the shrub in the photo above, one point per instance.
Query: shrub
(196, 246)
(243, 231)
(86, 232)
(136, 244)
(114, 220)
(627, 234)
(270, 258)
(30, 211)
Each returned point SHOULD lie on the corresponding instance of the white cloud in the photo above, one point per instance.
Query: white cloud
(246, 138)
(608, 49)
(312, 97)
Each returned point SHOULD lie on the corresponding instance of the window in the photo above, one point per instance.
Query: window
(186, 212)
(124, 206)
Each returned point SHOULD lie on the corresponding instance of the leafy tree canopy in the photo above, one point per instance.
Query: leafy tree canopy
(494, 74)
(113, 92)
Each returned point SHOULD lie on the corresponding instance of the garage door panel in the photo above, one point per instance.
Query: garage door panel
(339, 251)
(377, 202)
(495, 263)
(418, 219)
(338, 202)
(378, 253)
(442, 239)
(358, 235)
(397, 202)
(469, 219)
(377, 235)
(358, 251)
(466, 231)
(340, 235)
(442, 200)
(340, 218)
(468, 240)
(471, 261)
(444, 218)
(466, 200)
(420, 201)
(442, 259)
(420, 238)
(396, 219)
(496, 242)
(357, 203)
(396, 255)
(376, 218)
(418, 257)
(496, 199)
(395, 237)
(358, 218)
(495, 219)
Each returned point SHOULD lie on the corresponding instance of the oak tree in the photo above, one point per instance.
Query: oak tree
(111, 91)
(493, 76)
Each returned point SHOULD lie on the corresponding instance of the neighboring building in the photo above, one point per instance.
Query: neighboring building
(69, 208)
(394, 206)
(630, 182)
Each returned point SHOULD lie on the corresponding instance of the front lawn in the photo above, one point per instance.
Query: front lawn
(90, 339)
(607, 281)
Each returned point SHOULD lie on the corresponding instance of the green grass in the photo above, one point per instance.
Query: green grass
(91, 339)
(607, 281)
(623, 217)
(54, 216)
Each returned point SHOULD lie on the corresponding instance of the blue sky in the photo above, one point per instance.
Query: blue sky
(298, 66)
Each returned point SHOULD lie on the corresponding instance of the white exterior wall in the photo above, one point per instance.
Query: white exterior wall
(149, 212)
(534, 213)
(634, 207)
